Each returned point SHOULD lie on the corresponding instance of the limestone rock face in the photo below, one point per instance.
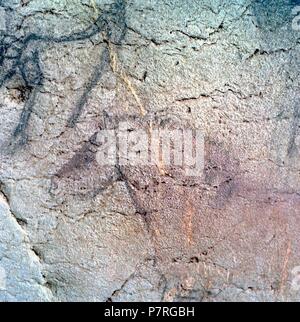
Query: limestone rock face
(75, 229)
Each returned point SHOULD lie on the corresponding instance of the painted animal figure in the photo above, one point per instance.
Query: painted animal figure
(20, 56)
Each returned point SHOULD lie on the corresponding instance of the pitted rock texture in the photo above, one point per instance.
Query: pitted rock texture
(73, 230)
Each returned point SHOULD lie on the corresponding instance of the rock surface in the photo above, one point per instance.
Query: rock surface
(73, 230)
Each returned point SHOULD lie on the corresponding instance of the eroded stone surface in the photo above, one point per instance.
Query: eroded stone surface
(72, 230)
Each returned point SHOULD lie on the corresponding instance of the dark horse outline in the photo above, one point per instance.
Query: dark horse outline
(17, 57)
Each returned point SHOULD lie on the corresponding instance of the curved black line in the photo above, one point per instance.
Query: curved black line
(111, 22)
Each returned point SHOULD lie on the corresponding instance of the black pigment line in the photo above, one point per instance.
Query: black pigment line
(98, 72)
(20, 135)
(18, 58)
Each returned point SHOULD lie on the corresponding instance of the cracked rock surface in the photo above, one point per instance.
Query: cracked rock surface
(72, 229)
